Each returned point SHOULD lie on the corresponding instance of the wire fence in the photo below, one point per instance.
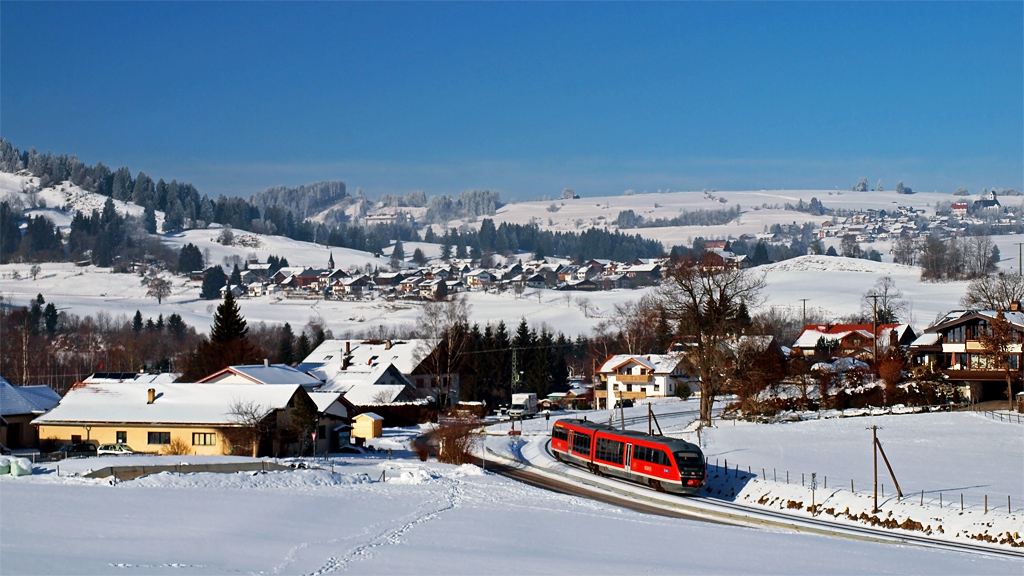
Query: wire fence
(984, 503)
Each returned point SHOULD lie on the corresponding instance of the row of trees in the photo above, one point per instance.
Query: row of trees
(955, 258)
(104, 238)
(41, 345)
(508, 238)
(701, 217)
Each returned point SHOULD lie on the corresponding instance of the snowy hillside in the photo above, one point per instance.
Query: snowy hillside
(602, 211)
(64, 199)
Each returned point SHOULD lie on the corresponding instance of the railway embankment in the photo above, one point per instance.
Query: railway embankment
(745, 497)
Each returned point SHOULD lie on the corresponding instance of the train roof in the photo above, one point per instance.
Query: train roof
(673, 444)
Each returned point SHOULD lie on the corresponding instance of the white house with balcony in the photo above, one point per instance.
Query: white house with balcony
(636, 376)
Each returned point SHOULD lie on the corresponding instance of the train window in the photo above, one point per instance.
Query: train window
(610, 450)
(581, 443)
(688, 460)
(559, 433)
(652, 455)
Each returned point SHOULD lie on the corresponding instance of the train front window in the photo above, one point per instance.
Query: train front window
(688, 460)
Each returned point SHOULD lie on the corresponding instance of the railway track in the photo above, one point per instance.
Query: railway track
(715, 510)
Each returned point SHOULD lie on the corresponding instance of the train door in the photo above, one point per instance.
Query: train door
(629, 455)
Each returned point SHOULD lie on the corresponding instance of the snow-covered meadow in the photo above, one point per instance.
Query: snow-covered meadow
(832, 286)
(369, 514)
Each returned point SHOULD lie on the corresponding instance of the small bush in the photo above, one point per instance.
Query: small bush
(456, 443)
(177, 447)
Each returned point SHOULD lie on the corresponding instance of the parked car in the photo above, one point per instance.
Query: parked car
(114, 449)
(81, 449)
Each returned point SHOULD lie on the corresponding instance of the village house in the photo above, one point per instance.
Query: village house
(19, 405)
(209, 419)
(954, 346)
(409, 357)
(824, 341)
(636, 376)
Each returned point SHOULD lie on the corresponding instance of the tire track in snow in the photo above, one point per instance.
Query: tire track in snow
(453, 499)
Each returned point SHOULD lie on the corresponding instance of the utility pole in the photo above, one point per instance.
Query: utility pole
(804, 300)
(1020, 261)
(877, 447)
(874, 448)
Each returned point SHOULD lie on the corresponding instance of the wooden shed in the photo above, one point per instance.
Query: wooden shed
(367, 425)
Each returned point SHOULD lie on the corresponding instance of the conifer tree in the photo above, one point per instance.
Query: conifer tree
(286, 345)
(228, 344)
(228, 323)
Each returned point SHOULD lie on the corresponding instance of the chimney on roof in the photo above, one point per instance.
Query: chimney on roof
(152, 396)
(387, 345)
(266, 363)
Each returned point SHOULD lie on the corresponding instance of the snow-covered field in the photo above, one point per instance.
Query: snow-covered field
(425, 518)
(937, 458)
(832, 286)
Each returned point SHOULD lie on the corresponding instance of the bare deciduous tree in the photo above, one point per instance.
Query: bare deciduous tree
(159, 289)
(444, 327)
(706, 303)
(251, 418)
(994, 292)
(889, 306)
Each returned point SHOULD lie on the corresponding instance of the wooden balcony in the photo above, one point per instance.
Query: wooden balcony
(981, 375)
(633, 379)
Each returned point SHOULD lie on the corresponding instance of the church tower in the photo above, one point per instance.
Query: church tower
(330, 262)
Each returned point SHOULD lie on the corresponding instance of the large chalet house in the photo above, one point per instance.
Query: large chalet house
(824, 341)
(636, 376)
(954, 345)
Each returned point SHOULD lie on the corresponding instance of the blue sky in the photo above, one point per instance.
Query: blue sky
(524, 98)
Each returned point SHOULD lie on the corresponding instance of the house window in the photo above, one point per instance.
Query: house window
(204, 439)
(122, 436)
(159, 438)
(1014, 361)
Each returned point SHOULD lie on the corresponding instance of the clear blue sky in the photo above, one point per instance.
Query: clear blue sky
(524, 98)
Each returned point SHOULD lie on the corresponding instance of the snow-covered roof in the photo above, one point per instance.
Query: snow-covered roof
(371, 416)
(658, 363)
(330, 403)
(147, 378)
(25, 399)
(927, 339)
(182, 403)
(377, 375)
(261, 374)
(1015, 317)
(402, 353)
(374, 394)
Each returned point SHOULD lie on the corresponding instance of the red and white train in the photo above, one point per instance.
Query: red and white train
(665, 464)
